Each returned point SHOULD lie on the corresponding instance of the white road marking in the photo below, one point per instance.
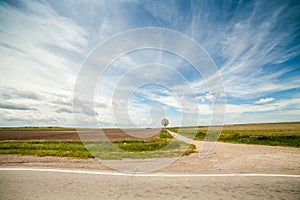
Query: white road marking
(144, 175)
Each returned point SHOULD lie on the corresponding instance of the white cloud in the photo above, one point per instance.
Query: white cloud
(210, 97)
(280, 105)
(264, 101)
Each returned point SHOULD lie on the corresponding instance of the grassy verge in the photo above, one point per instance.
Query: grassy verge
(277, 134)
(104, 150)
(45, 148)
(273, 140)
(244, 138)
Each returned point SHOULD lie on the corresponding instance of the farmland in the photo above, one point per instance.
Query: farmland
(141, 143)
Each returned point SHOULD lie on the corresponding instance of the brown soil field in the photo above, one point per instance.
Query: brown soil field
(85, 135)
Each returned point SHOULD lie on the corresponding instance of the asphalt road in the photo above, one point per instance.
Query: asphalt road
(70, 185)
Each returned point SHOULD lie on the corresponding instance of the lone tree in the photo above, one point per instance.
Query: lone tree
(165, 122)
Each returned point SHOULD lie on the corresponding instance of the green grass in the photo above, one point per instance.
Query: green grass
(45, 148)
(165, 134)
(140, 146)
(273, 140)
(276, 134)
(137, 149)
(104, 150)
(275, 137)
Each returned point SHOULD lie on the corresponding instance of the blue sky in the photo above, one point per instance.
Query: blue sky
(254, 44)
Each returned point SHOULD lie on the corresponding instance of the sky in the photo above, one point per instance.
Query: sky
(255, 46)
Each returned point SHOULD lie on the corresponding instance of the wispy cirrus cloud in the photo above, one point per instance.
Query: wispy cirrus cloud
(255, 46)
(250, 45)
(30, 38)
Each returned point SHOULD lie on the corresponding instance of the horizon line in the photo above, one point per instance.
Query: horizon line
(185, 126)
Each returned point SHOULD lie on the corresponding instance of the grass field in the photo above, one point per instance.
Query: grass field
(275, 134)
(164, 146)
(104, 150)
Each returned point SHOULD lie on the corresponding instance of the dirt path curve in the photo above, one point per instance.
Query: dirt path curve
(198, 144)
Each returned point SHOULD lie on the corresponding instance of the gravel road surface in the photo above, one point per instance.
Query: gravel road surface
(56, 185)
